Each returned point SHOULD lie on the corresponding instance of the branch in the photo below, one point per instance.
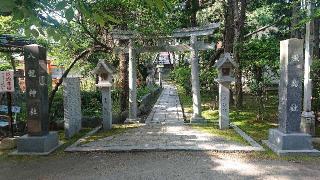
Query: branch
(215, 56)
(84, 54)
(263, 28)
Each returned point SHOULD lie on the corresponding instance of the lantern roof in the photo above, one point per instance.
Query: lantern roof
(225, 58)
(103, 67)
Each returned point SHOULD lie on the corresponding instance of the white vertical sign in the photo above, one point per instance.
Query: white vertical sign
(6, 81)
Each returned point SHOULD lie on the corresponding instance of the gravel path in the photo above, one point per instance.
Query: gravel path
(155, 165)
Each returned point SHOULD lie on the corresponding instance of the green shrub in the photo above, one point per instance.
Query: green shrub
(207, 82)
(316, 85)
(57, 106)
(182, 76)
(144, 90)
(5, 67)
(91, 104)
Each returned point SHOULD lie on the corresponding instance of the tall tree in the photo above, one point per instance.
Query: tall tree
(295, 19)
(123, 80)
(229, 26)
(240, 15)
(192, 9)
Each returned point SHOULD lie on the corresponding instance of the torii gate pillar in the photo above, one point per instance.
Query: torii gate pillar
(196, 99)
(132, 85)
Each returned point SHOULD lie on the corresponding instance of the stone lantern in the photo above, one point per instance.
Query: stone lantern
(160, 69)
(105, 72)
(225, 66)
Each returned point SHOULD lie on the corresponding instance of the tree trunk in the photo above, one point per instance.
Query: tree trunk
(228, 34)
(240, 10)
(229, 27)
(123, 78)
(258, 71)
(295, 30)
(192, 8)
(316, 51)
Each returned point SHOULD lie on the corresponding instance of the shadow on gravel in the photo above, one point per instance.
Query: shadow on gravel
(154, 165)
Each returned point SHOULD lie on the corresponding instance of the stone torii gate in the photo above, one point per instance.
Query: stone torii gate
(167, 44)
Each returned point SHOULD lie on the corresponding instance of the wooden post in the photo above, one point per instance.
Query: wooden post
(9, 103)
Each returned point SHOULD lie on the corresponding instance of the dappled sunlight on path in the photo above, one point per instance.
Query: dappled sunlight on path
(164, 130)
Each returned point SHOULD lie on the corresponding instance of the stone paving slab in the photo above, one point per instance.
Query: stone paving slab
(164, 130)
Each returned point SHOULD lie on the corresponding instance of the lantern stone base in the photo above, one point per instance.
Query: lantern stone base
(308, 123)
(132, 121)
(37, 145)
(290, 144)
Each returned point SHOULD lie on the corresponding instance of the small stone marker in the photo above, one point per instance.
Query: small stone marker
(288, 139)
(160, 69)
(72, 106)
(150, 77)
(105, 73)
(225, 66)
(38, 140)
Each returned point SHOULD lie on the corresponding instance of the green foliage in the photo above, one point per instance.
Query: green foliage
(182, 76)
(8, 25)
(260, 61)
(143, 71)
(212, 13)
(91, 104)
(316, 85)
(207, 82)
(144, 90)
(5, 67)
(261, 16)
(57, 106)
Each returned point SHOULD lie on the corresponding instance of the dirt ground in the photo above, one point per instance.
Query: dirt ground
(155, 165)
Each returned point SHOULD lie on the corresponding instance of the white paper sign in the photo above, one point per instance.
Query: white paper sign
(6, 81)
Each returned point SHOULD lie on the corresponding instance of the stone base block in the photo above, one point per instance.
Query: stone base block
(132, 121)
(37, 145)
(290, 144)
(106, 125)
(224, 123)
(198, 120)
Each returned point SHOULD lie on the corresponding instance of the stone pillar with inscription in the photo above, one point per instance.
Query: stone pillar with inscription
(287, 138)
(38, 140)
(106, 108)
(160, 70)
(224, 99)
(72, 106)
